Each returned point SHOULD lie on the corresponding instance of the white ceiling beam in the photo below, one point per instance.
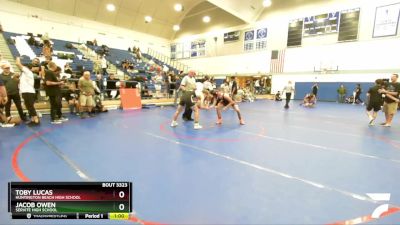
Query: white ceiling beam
(245, 10)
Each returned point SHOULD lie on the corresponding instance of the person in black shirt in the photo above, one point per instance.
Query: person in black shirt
(11, 83)
(99, 83)
(315, 89)
(45, 63)
(36, 70)
(112, 85)
(391, 100)
(3, 94)
(358, 92)
(234, 88)
(53, 90)
(374, 101)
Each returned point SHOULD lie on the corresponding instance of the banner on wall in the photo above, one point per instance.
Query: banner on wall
(232, 36)
(249, 35)
(262, 33)
(386, 20)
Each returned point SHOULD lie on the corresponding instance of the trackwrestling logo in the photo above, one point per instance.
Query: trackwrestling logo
(382, 208)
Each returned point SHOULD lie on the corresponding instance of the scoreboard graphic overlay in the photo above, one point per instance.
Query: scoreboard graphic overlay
(70, 200)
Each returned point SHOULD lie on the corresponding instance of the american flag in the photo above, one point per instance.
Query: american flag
(277, 61)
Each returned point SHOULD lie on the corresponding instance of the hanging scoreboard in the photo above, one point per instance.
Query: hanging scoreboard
(348, 28)
(295, 34)
(70, 200)
(321, 24)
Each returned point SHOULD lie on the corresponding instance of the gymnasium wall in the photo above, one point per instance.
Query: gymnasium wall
(328, 83)
(18, 18)
(367, 55)
(242, 64)
(328, 91)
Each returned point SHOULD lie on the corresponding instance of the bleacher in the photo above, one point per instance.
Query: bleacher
(115, 57)
(159, 62)
(12, 47)
(58, 46)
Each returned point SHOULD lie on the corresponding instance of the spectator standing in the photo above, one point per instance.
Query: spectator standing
(104, 65)
(341, 91)
(47, 50)
(257, 86)
(172, 84)
(53, 90)
(177, 88)
(314, 90)
(374, 101)
(3, 94)
(11, 83)
(86, 88)
(100, 83)
(112, 85)
(27, 89)
(158, 82)
(234, 87)
(268, 84)
(357, 95)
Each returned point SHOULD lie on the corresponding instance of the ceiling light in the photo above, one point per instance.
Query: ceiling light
(178, 7)
(110, 7)
(206, 19)
(267, 3)
(148, 19)
(176, 27)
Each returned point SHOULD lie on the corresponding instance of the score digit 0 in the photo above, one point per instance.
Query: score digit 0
(121, 194)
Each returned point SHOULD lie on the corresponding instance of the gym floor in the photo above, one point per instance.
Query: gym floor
(296, 166)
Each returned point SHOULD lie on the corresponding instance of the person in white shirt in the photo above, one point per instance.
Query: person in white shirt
(26, 87)
(257, 86)
(225, 87)
(188, 85)
(289, 90)
(158, 82)
(207, 84)
(104, 65)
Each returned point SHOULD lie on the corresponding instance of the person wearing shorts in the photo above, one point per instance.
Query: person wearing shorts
(374, 101)
(86, 88)
(188, 100)
(223, 102)
(390, 104)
